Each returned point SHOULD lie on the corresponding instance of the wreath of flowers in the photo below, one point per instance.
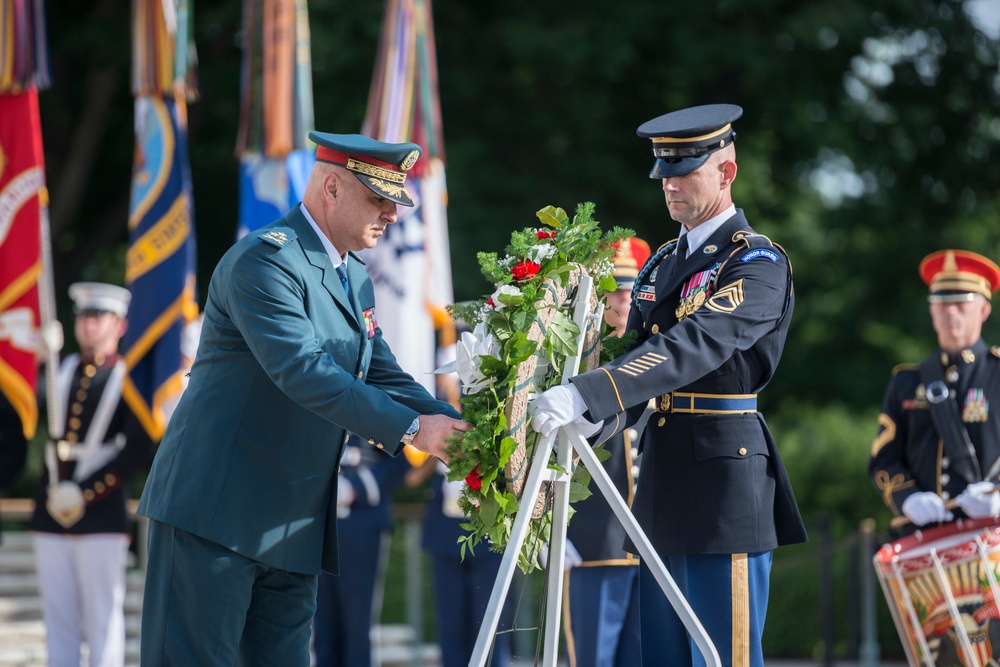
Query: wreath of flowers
(487, 361)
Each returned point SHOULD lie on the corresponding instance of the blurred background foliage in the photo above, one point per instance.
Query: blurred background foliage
(867, 141)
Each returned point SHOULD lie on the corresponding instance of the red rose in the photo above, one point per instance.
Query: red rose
(473, 480)
(545, 234)
(525, 270)
(489, 302)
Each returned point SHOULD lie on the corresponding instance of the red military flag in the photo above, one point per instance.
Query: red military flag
(22, 197)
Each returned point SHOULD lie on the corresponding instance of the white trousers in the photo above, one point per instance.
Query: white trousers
(82, 583)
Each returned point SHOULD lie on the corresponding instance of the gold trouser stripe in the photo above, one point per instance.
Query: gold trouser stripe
(741, 611)
(568, 621)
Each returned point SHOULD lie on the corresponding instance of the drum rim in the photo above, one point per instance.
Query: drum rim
(926, 538)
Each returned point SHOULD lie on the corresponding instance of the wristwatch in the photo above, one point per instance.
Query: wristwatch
(411, 432)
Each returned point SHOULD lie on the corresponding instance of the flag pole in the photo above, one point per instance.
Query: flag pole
(46, 316)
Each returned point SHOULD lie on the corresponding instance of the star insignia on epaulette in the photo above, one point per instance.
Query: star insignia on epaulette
(277, 237)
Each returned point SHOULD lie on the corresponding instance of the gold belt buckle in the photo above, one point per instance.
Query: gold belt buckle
(665, 403)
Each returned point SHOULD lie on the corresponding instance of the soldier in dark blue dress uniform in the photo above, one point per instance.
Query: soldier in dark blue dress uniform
(937, 453)
(348, 607)
(602, 599)
(711, 310)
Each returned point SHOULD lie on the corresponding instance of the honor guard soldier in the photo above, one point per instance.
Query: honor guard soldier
(711, 311)
(80, 527)
(347, 608)
(937, 453)
(242, 496)
(602, 599)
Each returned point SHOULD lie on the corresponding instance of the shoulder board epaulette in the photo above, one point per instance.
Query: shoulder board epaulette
(673, 241)
(277, 236)
(356, 257)
(752, 239)
(899, 368)
(995, 351)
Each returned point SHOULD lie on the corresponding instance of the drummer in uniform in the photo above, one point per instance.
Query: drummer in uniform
(937, 453)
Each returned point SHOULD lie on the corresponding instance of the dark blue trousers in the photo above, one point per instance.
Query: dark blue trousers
(728, 594)
(602, 629)
(349, 605)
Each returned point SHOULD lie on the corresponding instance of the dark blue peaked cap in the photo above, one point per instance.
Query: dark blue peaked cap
(683, 140)
(379, 165)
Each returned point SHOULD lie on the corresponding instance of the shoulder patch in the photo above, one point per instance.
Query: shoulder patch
(900, 368)
(277, 237)
(759, 253)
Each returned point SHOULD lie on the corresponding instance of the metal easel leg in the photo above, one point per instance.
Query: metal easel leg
(537, 474)
(639, 539)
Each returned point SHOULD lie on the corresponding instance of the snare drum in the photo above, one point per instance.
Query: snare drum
(941, 586)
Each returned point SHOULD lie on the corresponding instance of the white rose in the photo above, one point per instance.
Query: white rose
(468, 353)
(508, 290)
(540, 253)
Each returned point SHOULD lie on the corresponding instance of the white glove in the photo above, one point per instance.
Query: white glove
(65, 503)
(556, 407)
(979, 501)
(51, 337)
(345, 498)
(925, 507)
(587, 428)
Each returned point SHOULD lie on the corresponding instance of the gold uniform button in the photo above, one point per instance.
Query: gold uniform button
(88, 495)
(743, 451)
(110, 479)
(72, 437)
(76, 409)
(655, 329)
(346, 438)
(379, 445)
(371, 441)
(81, 394)
(85, 383)
(99, 487)
(662, 421)
(74, 423)
(361, 374)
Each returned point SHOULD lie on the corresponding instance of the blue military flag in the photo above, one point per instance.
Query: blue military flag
(160, 266)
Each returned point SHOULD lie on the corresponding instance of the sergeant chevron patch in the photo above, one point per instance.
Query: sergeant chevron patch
(727, 299)
(637, 367)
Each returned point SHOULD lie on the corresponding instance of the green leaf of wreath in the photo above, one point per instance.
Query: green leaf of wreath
(562, 334)
(553, 217)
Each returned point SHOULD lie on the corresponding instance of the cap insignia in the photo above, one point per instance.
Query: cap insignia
(392, 190)
(410, 160)
(377, 172)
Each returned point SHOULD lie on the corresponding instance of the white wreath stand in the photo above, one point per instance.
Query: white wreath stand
(570, 440)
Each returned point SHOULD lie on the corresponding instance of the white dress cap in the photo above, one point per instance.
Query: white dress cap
(100, 296)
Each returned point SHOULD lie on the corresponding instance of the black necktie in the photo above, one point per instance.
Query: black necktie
(680, 252)
(682, 248)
